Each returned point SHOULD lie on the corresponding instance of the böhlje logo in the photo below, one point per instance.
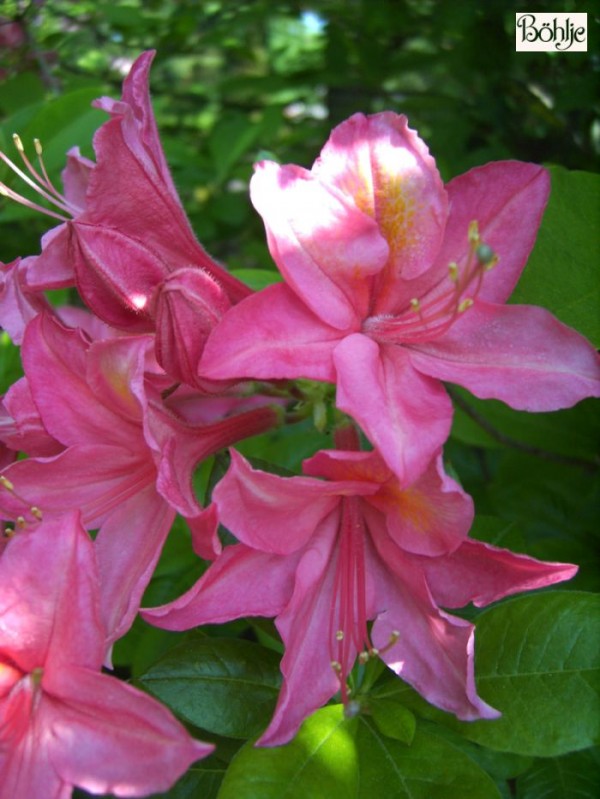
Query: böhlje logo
(551, 32)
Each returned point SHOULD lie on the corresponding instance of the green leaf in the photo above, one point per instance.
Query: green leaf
(499, 765)
(10, 362)
(562, 272)
(226, 686)
(393, 719)
(431, 768)
(574, 776)
(321, 762)
(62, 123)
(202, 780)
(332, 756)
(536, 660)
(571, 433)
(257, 279)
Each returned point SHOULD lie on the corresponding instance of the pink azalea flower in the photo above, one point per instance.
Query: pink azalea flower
(18, 303)
(389, 290)
(140, 272)
(62, 722)
(112, 449)
(146, 271)
(326, 556)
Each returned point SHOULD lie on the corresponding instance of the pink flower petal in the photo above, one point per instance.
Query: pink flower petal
(480, 573)
(53, 268)
(507, 198)
(54, 619)
(56, 363)
(241, 582)
(386, 168)
(204, 531)
(18, 303)
(325, 247)
(108, 737)
(22, 428)
(429, 517)
(276, 514)
(128, 547)
(308, 677)
(94, 478)
(27, 769)
(132, 173)
(76, 177)
(434, 651)
(406, 415)
(519, 354)
(270, 335)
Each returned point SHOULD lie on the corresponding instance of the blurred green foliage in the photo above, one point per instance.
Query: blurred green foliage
(233, 81)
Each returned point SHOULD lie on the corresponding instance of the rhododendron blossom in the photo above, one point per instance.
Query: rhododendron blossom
(327, 556)
(103, 441)
(115, 433)
(394, 283)
(62, 722)
(138, 271)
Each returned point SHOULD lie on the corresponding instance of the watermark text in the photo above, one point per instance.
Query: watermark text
(551, 32)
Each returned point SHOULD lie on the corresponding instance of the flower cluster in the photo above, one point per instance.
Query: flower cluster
(392, 283)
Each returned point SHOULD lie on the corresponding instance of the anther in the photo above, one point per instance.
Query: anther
(339, 636)
(5, 482)
(20, 522)
(35, 511)
(9, 532)
(466, 303)
(363, 657)
(415, 304)
(373, 652)
(18, 142)
(453, 271)
(336, 666)
(474, 232)
(38, 146)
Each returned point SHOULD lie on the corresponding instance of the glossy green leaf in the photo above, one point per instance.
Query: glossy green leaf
(536, 660)
(574, 776)
(393, 719)
(571, 433)
(321, 762)
(226, 686)
(431, 768)
(332, 756)
(562, 272)
(202, 781)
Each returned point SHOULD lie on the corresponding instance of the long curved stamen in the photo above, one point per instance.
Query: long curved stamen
(427, 319)
(40, 183)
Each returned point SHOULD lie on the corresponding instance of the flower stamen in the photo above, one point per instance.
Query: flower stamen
(428, 318)
(348, 620)
(40, 183)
